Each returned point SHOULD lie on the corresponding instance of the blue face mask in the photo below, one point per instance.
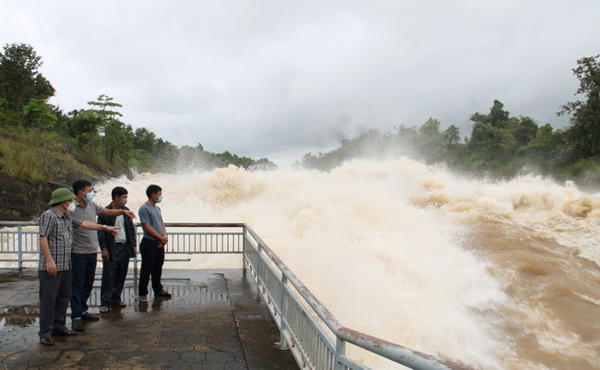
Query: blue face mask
(89, 196)
(159, 199)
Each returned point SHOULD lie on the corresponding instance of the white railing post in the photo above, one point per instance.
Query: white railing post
(20, 246)
(282, 312)
(245, 250)
(340, 350)
(258, 279)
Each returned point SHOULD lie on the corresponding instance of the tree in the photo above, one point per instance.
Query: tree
(85, 127)
(523, 129)
(584, 133)
(488, 135)
(39, 115)
(431, 142)
(105, 102)
(452, 135)
(492, 145)
(8, 117)
(547, 151)
(144, 139)
(20, 80)
(116, 139)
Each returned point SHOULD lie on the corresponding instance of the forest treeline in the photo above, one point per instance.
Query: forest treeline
(499, 146)
(38, 138)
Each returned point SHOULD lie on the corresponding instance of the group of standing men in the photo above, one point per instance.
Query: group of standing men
(70, 239)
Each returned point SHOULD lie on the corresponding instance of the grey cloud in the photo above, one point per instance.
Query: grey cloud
(293, 77)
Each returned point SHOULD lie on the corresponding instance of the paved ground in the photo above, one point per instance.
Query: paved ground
(211, 322)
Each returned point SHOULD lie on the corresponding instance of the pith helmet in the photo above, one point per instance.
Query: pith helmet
(61, 195)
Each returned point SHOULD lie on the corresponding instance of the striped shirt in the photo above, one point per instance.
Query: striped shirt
(57, 228)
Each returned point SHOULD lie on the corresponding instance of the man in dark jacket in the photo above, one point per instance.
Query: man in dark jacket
(116, 252)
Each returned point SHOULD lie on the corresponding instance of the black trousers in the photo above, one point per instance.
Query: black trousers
(153, 259)
(55, 292)
(114, 273)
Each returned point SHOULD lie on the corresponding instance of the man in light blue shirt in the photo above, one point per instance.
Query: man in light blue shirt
(152, 246)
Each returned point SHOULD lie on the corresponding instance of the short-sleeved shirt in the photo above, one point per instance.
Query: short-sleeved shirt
(57, 228)
(150, 214)
(86, 241)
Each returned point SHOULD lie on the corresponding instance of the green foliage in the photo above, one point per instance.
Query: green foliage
(20, 80)
(431, 142)
(8, 117)
(367, 145)
(36, 155)
(39, 141)
(500, 146)
(452, 135)
(20, 163)
(105, 102)
(86, 141)
(584, 133)
(39, 115)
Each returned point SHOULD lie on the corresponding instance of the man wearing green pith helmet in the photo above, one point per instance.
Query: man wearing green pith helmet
(54, 271)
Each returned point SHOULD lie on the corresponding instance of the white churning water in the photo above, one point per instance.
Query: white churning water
(494, 275)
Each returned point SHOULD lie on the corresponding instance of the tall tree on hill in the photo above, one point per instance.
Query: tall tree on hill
(106, 107)
(584, 133)
(20, 80)
(117, 138)
(489, 139)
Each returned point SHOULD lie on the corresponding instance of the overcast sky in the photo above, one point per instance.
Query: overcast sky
(279, 78)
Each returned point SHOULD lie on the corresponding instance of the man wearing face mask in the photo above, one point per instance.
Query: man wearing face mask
(54, 271)
(116, 252)
(85, 251)
(152, 247)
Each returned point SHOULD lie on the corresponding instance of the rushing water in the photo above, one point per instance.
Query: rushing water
(494, 275)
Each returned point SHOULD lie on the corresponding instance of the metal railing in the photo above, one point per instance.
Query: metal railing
(307, 328)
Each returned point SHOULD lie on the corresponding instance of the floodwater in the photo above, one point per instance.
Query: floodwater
(496, 275)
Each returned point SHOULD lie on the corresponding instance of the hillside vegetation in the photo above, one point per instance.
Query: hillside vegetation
(499, 146)
(42, 147)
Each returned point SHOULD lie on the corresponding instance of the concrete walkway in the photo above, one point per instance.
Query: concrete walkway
(211, 322)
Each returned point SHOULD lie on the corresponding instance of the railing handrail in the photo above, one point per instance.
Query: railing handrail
(167, 224)
(389, 350)
(17, 223)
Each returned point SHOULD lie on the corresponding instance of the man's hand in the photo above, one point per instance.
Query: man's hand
(111, 229)
(164, 240)
(129, 214)
(51, 267)
(105, 255)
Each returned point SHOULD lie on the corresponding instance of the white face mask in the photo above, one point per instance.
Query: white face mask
(71, 207)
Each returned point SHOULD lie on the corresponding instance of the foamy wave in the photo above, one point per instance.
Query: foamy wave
(587, 298)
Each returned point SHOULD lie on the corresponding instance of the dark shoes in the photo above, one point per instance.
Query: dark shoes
(163, 293)
(47, 341)
(89, 317)
(77, 325)
(66, 333)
